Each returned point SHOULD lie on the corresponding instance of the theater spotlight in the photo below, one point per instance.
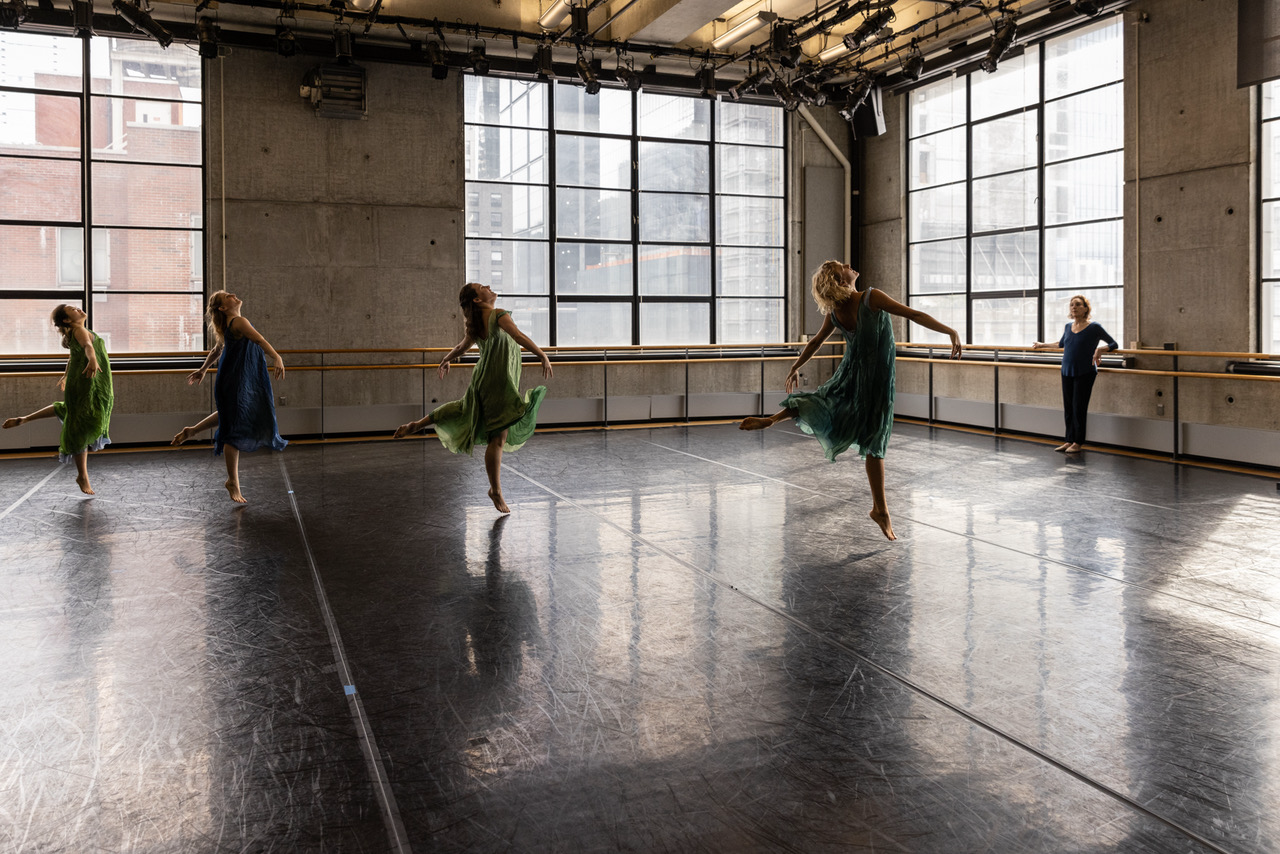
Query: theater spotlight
(587, 76)
(12, 13)
(286, 42)
(439, 63)
(1088, 8)
(855, 98)
(809, 94)
(342, 44)
(628, 77)
(790, 101)
(781, 42)
(1000, 44)
(141, 20)
(477, 61)
(868, 28)
(707, 81)
(542, 60)
(207, 33)
(750, 83)
(913, 65)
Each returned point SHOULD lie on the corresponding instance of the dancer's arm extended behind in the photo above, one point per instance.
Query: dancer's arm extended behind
(461, 347)
(793, 375)
(509, 326)
(245, 328)
(883, 302)
(196, 377)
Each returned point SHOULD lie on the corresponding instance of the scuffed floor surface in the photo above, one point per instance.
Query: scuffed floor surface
(681, 640)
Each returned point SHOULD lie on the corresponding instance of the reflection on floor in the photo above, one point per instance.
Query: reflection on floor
(680, 640)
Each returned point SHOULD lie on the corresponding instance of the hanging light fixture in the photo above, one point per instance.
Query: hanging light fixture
(871, 25)
(626, 74)
(750, 83)
(477, 61)
(1000, 44)
(143, 21)
(913, 65)
(587, 76)
(740, 31)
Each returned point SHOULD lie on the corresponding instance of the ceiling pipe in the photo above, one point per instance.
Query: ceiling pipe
(848, 179)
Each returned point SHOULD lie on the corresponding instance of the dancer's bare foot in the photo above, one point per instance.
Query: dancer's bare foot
(233, 489)
(182, 435)
(1073, 448)
(12, 422)
(496, 497)
(881, 518)
(83, 483)
(404, 430)
(1063, 446)
(755, 423)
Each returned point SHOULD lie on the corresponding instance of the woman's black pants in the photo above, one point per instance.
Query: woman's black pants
(1075, 404)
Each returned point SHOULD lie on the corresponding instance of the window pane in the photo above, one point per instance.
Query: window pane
(1270, 318)
(674, 116)
(663, 323)
(593, 324)
(607, 112)
(532, 315)
(1082, 256)
(937, 213)
(1107, 305)
(675, 271)
(508, 266)
(1271, 240)
(1271, 100)
(598, 214)
(593, 161)
(47, 125)
(127, 194)
(749, 171)
(1005, 201)
(666, 217)
(523, 210)
(749, 321)
(673, 167)
(593, 268)
(145, 323)
(750, 220)
(1002, 145)
(506, 154)
(129, 129)
(936, 159)
(25, 327)
(1005, 321)
(1271, 159)
(32, 258)
(754, 124)
(133, 66)
(937, 106)
(1015, 83)
(1007, 262)
(502, 101)
(1084, 124)
(749, 272)
(70, 260)
(39, 189)
(1085, 58)
(40, 62)
(1084, 189)
(947, 309)
(940, 267)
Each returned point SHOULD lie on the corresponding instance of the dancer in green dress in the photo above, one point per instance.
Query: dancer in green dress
(492, 412)
(855, 406)
(85, 410)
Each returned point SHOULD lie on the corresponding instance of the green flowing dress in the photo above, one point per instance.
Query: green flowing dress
(493, 402)
(855, 406)
(85, 410)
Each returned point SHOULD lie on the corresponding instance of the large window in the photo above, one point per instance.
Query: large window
(101, 166)
(1015, 183)
(626, 218)
(1269, 233)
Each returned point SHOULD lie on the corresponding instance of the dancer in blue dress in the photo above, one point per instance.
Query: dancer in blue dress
(855, 406)
(1080, 355)
(246, 413)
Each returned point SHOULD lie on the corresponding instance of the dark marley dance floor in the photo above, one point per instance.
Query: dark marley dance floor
(682, 639)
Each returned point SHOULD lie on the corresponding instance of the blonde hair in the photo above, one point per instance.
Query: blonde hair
(61, 323)
(1088, 309)
(472, 314)
(216, 316)
(829, 288)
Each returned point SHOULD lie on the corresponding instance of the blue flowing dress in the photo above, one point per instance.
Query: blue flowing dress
(242, 393)
(855, 406)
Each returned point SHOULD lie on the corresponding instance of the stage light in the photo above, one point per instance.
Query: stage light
(737, 33)
(809, 94)
(207, 33)
(342, 44)
(750, 83)
(868, 28)
(627, 75)
(780, 42)
(1088, 8)
(286, 42)
(555, 14)
(439, 62)
(588, 77)
(913, 65)
(707, 81)
(790, 101)
(542, 60)
(1000, 44)
(477, 61)
(856, 97)
(143, 21)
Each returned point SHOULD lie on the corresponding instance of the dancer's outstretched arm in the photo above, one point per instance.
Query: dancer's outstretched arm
(461, 347)
(245, 328)
(883, 302)
(793, 375)
(85, 339)
(509, 326)
(196, 377)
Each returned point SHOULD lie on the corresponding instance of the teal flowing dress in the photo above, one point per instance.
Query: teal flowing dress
(493, 402)
(242, 394)
(855, 406)
(85, 410)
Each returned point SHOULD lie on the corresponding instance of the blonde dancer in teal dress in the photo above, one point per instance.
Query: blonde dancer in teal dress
(855, 406)
(492, 412)
(85, 410)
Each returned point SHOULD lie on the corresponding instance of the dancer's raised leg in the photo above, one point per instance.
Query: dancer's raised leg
(232, 453)
(82, 472)
(209, 421)
(493, 468)
(758, 423)
(413, 427)
(46, 412)
(879, 509)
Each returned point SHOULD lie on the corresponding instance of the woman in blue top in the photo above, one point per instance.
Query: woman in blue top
(1079, 343)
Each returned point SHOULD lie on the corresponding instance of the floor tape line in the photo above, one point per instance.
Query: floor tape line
(30, 492)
